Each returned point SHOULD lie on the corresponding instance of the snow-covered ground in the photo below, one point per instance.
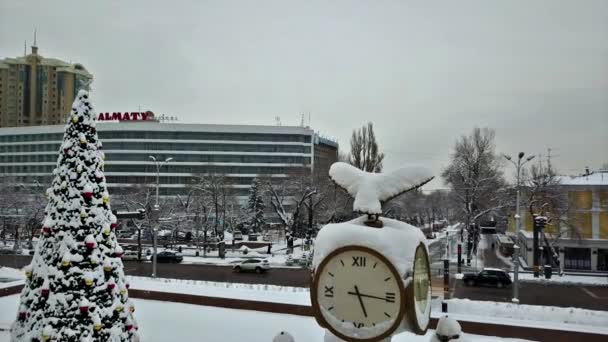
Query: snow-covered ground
(476, 311)
(550, 317)
(258, 292)
(201, 323)
(565, 279)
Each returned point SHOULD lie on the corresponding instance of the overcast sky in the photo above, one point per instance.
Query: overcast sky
(425, 72)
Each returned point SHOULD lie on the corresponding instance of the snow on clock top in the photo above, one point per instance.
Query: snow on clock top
(370, 189)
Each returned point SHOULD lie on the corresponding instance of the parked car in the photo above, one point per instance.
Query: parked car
(488, 277)
(237, 235)
(266, 237)
(169, 256)
(253, 237)
(257, 265)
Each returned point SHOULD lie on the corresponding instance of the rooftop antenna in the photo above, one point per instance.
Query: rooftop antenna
(277, 120)
(35, 36)
(301, 119)
(25, 48)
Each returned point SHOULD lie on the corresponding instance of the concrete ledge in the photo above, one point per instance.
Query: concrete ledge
(488, 329)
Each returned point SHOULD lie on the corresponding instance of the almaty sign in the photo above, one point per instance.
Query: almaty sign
(126, 116)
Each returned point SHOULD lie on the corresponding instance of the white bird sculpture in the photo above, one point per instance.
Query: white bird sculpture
(370, 189)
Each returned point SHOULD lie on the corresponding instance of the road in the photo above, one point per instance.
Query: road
(578, 296)
(278, 276)
(587, 297)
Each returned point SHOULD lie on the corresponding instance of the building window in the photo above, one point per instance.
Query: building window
(580, 200)
(604, 225)
(603, 200)
(577, 258)
(602, 259)
(583, 224)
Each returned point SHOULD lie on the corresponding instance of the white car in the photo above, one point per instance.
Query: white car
(257, 265)
(129, 255)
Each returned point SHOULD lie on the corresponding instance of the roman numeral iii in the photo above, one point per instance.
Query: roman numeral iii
(390, 297)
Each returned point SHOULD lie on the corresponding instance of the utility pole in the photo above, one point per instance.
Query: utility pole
(516, 264)
(539, 225)
(155, 215)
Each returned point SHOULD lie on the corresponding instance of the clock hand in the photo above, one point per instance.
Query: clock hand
(365, 295)
(360, 300)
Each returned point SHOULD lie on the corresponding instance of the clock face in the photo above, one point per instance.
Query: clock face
(358, 293)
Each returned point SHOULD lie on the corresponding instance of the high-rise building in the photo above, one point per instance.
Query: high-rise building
(35, 90)
(28, 155)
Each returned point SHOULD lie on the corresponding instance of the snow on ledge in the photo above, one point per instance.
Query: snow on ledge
(536, 316)
(255, 292)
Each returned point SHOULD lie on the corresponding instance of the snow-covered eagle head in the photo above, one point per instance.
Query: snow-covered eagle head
(370, 189)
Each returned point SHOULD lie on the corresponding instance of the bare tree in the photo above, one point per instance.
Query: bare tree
(364, 151)
(475, 178)
(544, 195)
(289, 195)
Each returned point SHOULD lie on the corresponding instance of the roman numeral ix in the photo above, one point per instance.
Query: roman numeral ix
(329, 291)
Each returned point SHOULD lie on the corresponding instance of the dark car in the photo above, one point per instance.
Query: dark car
(169, 256)
(488, 277)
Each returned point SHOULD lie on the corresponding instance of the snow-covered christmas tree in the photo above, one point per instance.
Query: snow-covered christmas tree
(76, 288)
(255, 207)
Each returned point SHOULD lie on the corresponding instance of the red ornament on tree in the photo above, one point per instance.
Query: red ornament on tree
(45, 293)
(46, 230)
(84, 306)
(113, 225)
(111, 287)
(22, 316)
(87, 192)
(127, 285)
(90, 242)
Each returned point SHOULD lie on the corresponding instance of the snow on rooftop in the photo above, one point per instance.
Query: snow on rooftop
(595, 178)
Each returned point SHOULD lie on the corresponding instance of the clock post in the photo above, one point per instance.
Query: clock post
(371, 275)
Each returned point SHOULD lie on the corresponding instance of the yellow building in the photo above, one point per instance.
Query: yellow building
(586, 246)
(35, 90)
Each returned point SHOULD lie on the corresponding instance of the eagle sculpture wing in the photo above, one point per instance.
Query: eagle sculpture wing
(370, 189)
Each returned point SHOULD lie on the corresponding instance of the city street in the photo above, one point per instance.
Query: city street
(563, 295)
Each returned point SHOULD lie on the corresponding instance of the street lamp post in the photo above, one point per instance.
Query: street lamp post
(156, 211)
(516, 248)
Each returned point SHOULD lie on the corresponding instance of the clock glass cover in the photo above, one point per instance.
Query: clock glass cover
(422, 287)
(359, 294)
